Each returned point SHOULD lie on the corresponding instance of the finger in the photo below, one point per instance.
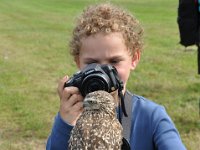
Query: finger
(71, 114)
(68, 92)
(72, 110)
(78, 97)
(61, 85)
(78, 107)
(75, 98)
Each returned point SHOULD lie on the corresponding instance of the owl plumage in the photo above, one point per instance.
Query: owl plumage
(97, 128)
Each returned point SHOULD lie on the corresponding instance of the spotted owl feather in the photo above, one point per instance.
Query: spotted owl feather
(97, 128)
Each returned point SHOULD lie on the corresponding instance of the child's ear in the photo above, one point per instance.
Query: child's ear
(135, 59)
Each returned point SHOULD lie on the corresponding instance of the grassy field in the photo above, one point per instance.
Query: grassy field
(34, 55)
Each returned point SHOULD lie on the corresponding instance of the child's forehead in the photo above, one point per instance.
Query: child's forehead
(102, 36)
(103, 46)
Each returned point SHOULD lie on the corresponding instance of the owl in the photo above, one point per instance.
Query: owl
(98, 127)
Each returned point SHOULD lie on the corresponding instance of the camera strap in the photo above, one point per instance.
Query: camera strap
(126, 121)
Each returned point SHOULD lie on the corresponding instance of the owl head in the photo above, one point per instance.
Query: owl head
(99, 101)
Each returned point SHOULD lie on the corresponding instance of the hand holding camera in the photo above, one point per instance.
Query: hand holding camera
(71, 102)
(92, 78)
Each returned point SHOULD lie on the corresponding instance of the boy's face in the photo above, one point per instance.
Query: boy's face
(108, 49)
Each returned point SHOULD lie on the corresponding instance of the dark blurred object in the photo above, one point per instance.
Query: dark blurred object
(189, 24)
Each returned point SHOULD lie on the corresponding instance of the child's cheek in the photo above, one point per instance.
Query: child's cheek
(121, 74)
(124, 75)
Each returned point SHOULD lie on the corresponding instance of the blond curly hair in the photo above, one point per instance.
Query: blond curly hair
(107, 18)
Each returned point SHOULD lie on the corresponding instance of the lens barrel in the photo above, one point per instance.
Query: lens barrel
(95, 82)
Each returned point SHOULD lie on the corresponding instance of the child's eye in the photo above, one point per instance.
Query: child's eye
(91, 62)
(114, 61)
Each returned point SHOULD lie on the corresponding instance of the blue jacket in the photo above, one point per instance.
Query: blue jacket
(151, 129)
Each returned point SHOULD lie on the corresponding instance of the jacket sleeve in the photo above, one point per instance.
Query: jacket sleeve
(165, 134)
(152, 127)
(60, 134)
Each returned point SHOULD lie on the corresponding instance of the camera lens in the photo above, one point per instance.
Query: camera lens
(95, 82)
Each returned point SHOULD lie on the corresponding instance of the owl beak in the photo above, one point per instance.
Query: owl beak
(90, 105)
(86, 104)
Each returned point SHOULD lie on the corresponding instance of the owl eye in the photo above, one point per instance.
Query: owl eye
(93, 102)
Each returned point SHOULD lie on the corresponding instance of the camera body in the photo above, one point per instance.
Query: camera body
(96, 77)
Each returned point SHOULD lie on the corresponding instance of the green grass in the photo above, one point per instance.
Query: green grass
(34, 55)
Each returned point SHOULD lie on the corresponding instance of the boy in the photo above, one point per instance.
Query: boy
(106, 34)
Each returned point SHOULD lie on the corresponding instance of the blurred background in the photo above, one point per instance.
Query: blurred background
(34, 55)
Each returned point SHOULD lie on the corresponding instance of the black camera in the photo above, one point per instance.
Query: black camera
(96, 77)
